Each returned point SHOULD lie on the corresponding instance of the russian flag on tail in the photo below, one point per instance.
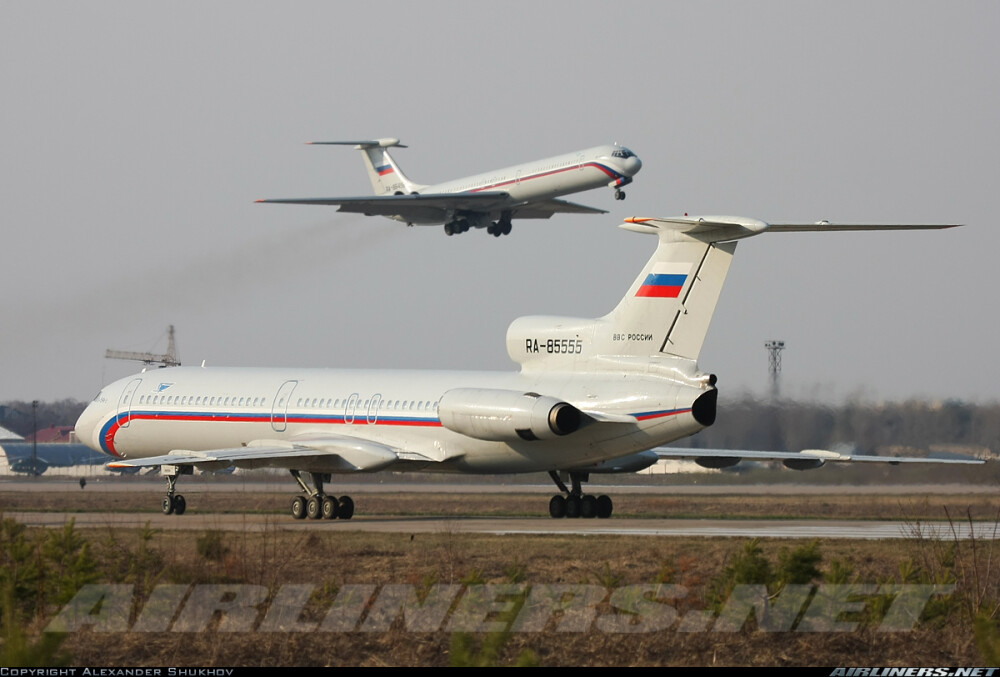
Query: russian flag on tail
(665, 281)
(383, 170)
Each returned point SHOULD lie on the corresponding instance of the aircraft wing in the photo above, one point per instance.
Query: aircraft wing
(546, 208)
(312, 453)
(802, 460)
(419, 205)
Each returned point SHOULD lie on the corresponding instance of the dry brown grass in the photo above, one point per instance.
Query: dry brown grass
(329, 560)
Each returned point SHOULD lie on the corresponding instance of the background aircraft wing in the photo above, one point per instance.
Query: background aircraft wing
(312, 453)
(546, 208)
(802, 460)
(419, 205)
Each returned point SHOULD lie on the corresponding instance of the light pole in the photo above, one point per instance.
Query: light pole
(34, 438)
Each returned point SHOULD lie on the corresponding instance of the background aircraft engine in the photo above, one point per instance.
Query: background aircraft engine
(507, 415)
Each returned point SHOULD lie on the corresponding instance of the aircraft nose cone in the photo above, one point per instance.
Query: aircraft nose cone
(633, 165)
(86, 427)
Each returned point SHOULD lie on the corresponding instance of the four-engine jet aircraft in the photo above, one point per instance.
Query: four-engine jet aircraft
(490, 200)
(591, 396)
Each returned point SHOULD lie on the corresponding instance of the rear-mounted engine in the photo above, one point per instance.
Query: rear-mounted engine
(507, 415)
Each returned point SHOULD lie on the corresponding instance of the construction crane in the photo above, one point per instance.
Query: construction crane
(168, 359)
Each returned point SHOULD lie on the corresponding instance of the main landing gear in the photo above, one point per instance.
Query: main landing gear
(318, 505)
(575, 503)
(174, 503)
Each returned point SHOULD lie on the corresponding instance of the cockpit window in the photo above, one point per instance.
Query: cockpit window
(622, 152)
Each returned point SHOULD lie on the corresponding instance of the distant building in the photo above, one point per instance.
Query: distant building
(57, 434)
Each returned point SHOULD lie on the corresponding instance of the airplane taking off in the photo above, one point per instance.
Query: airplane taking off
(592, 396)
(490, 200)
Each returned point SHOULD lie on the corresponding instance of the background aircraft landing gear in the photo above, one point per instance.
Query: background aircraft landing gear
(456, 227)
(317, 505)
(619, 194)
(501, 226)
(576, 503)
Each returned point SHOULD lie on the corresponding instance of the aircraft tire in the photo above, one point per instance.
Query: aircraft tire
(448, 229)
(180, 505)
(345, 510)
(299, 507)
(168, 505)
(605, 506)
(557, 507)
(572, 506)
(588, 507)
(329, 508)
(314, 508)
(506, 228)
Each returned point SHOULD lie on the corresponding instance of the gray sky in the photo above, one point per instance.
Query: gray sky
(137, 135)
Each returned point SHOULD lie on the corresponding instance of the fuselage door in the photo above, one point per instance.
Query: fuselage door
(350, 407)
(279, 406)
(373, 408)
(125, 402)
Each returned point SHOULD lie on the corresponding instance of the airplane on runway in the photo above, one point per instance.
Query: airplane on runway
(591, 396)
(490, 200)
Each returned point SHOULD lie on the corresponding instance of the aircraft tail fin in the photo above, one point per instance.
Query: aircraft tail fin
(667, 310)
(384, 173)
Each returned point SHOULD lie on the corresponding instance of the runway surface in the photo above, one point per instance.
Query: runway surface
(862, 530)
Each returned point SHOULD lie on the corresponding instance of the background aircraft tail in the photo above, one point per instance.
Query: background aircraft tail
(384, 173)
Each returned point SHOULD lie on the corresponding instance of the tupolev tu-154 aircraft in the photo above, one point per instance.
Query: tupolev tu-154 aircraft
(490, 200)
(591, 396)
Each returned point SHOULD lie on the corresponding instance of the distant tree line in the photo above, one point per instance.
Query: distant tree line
(908, 426)
(15, 415)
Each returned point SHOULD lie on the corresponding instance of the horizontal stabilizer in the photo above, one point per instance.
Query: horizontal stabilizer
(827, 227)
(360, 145)
(723, 228)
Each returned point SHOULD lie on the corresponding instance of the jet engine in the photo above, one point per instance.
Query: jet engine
(507, 415)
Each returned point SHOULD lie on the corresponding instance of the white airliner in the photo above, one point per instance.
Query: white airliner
(490, 200)
(591, 396)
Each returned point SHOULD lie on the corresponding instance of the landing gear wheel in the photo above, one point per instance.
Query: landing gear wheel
(180, 505)
(299, 507)
(329, 508)
(557, 507)
(572, 506)
(506, 228)
(492, 228)
(314, 508)
(497, 233)
(168, 505)
(449, 229)
(345, 510)
(619, 194)
(588, 507)
(604, 507)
